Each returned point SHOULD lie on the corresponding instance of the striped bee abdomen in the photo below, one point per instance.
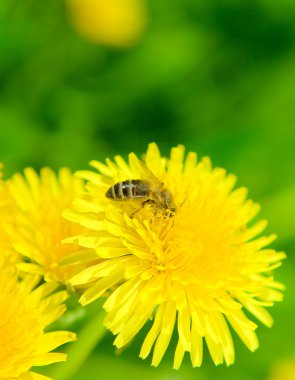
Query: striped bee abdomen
(129, 189)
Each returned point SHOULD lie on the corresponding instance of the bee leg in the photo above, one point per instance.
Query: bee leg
(134, 212)
(152, 201)
(148, 201)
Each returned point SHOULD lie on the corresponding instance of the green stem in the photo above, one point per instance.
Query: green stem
(90, 335)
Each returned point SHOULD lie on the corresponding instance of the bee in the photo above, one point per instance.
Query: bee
(150, 190)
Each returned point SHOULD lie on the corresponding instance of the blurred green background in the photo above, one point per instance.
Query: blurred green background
(216, 76)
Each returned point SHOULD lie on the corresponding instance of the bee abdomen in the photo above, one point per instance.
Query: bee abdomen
(129, 189)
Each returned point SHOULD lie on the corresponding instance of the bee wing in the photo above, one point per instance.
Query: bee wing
(162, 197)
(154, 184)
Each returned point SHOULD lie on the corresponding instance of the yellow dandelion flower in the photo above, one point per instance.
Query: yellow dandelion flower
(7, 212)
(40, 227)
(113, 22)
(26, 310)
(192, 264)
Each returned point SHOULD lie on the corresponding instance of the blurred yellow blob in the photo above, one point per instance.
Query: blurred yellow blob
(111, 22)
(283, 369)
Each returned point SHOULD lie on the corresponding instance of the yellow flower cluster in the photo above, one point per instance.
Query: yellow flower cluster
(167, 241)
(31, 229)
